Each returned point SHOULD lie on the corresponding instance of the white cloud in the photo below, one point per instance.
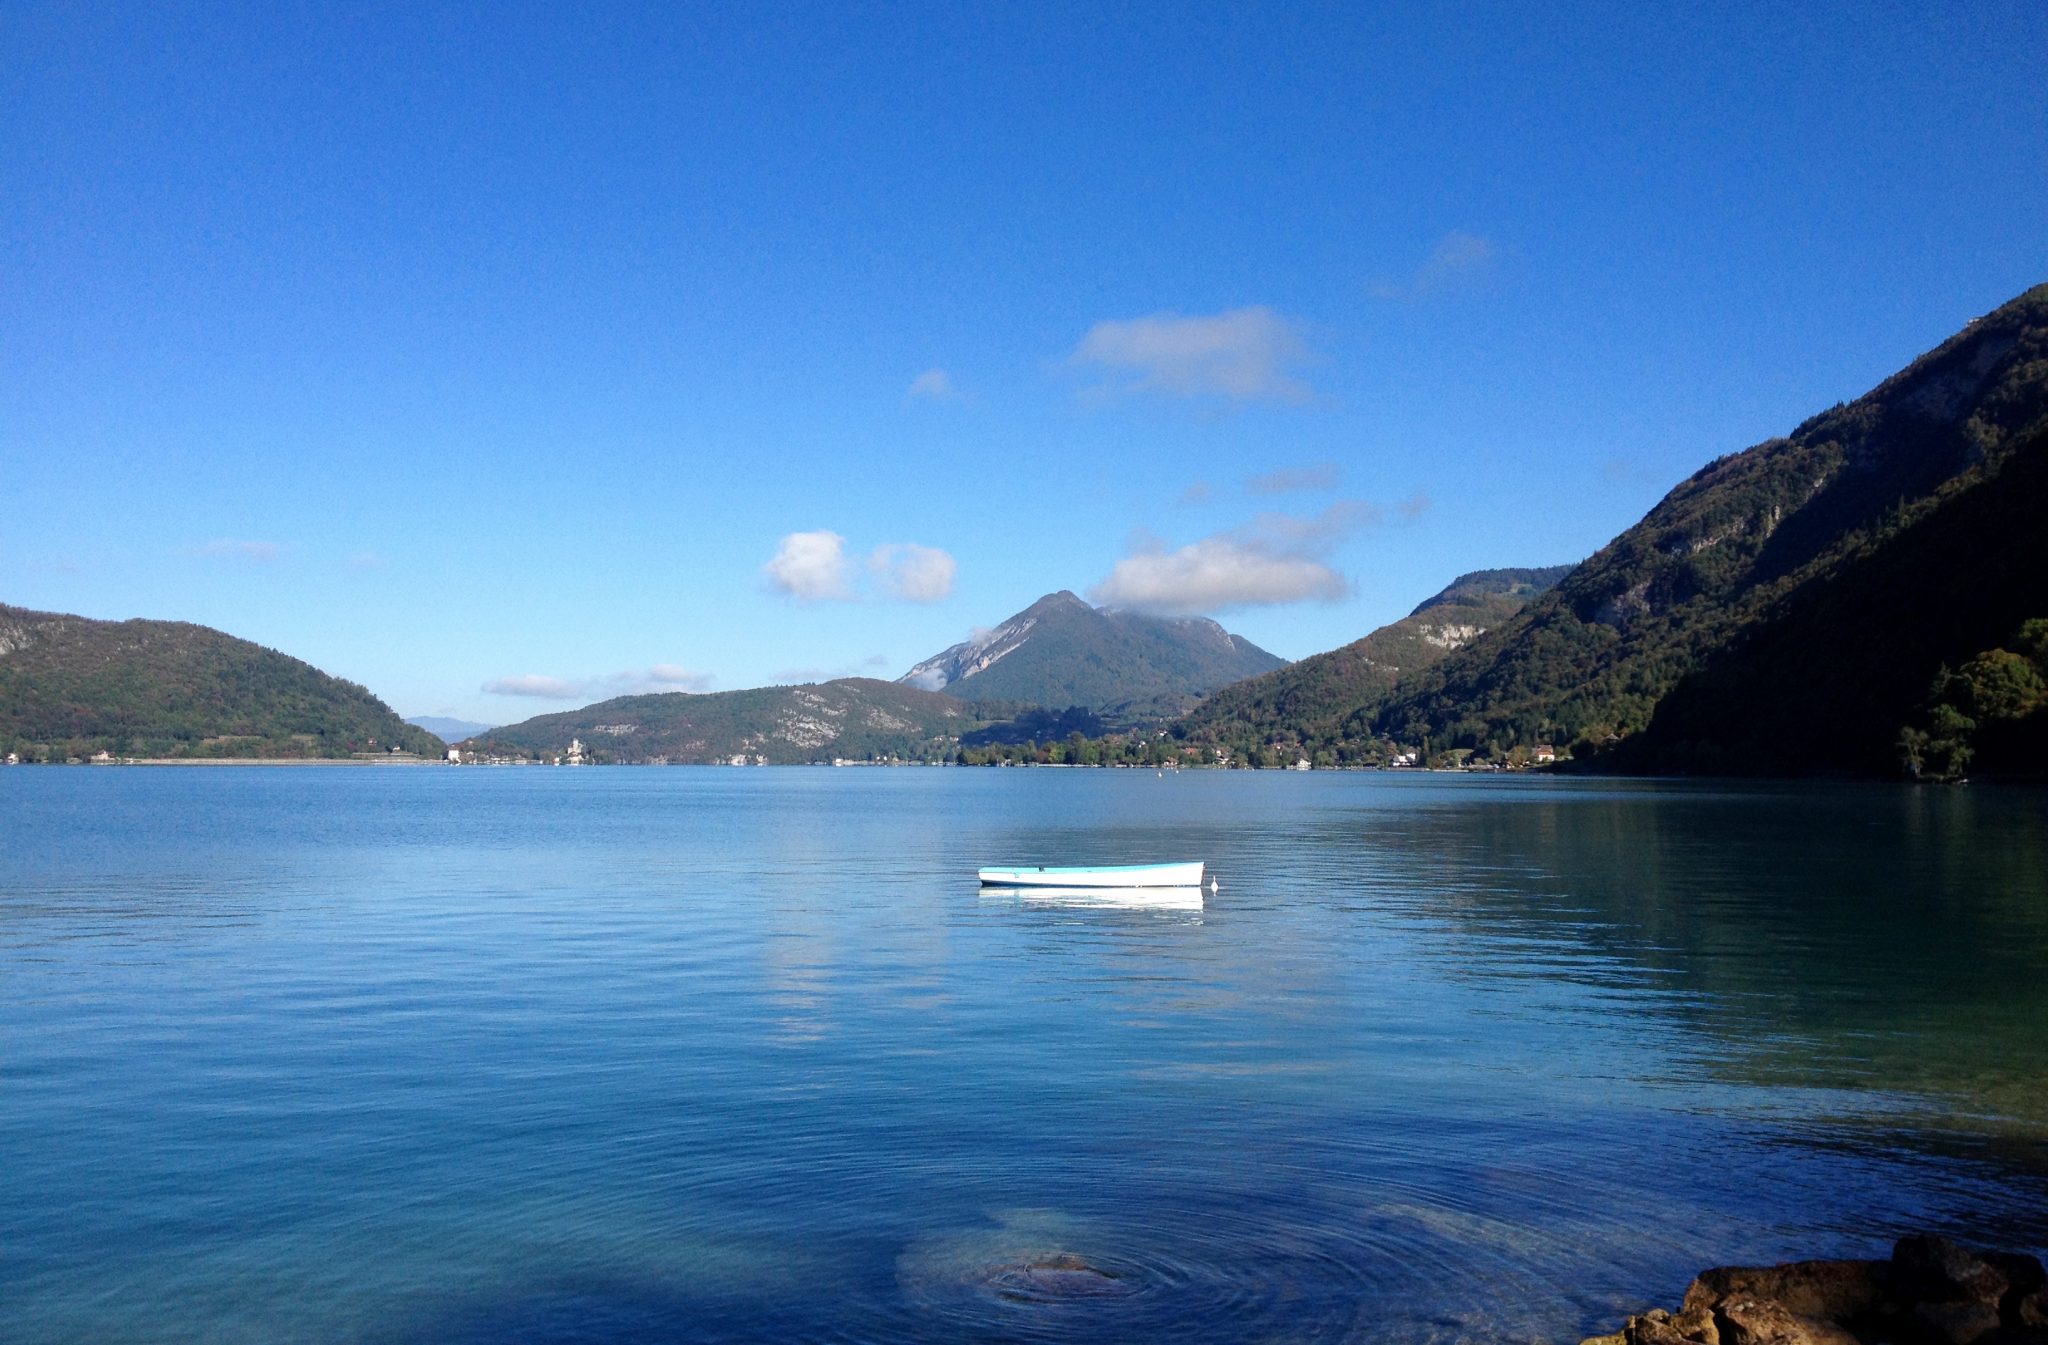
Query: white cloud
(228, 548)
(814, 567)
(1276, 558)
(913, 573)
(1458, 258)
(1243, 355)
(674, 677)
(1213, 574)
(632, 682)
(366, 560)
(811, 567)
(1197, 492)
(535, 685)
(1293, 480)
(933, 385)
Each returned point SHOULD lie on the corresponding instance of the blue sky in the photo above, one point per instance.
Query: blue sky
(567, 350)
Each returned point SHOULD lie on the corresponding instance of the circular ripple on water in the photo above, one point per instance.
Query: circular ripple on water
(1062, 1277)
(1410, 1261)
(1036, 1274)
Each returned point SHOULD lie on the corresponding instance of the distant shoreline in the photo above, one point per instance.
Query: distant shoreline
(264, 761)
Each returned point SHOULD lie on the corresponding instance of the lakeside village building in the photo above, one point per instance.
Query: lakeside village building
(578, 755)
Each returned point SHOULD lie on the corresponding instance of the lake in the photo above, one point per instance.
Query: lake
(400, 1056)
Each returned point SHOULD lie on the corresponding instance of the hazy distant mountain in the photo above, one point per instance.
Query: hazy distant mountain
(74, 686)
(448, 730)
(1310, 701)
(1787, 607)
(858, 718)
(1061, 652)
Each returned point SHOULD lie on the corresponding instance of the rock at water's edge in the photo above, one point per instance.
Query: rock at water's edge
(1930, 1292)
(1834, 1291)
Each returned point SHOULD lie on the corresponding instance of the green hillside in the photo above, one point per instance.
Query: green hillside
(1793, 601)
(1831, 675)
(1307, 704)
(856, 718)
(70, 686)
(1060, 652)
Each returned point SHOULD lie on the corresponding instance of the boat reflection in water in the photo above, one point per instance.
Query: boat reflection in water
(1110, 898)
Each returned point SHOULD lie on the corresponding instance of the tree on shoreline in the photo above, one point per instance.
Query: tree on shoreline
(1995, 705)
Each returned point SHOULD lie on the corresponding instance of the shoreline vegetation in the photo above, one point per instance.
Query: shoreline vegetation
(1991, 779)
(110, 760)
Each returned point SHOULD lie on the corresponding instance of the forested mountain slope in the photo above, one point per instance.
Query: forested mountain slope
(1832, 674)
(857, 718)
(1799, 591)
(1307, 704)
(71, 686)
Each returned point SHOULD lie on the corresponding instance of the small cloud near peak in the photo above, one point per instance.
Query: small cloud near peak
(1275, 559)
(913, 573)
(1214, 574)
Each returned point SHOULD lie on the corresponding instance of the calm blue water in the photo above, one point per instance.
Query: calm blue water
(406, 1056)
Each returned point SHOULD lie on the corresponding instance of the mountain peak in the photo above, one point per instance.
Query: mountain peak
(1065, 600)
(1061, 652)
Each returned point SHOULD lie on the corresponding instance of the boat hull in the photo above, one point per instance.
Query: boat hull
(1101, 898)
(1102, 875)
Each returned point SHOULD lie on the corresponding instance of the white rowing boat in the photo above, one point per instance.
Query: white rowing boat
(1099, 875)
